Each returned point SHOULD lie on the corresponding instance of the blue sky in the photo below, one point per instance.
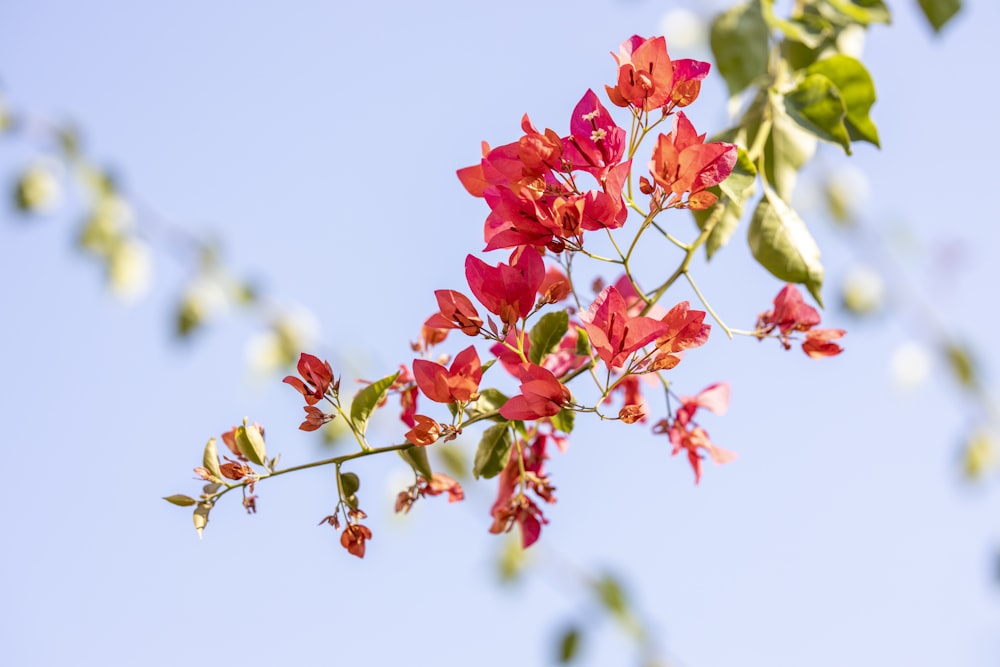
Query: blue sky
(320, 143)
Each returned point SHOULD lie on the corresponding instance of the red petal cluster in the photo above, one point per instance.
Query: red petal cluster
(448, 385)
(790, 314)
(317, 378)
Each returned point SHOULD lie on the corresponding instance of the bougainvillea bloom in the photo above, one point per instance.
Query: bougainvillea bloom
(353, 539)
(542, 395)
(686, 330)
(790, 314)
(456, 312)
(445, 385)
(425, 432)
(614, 334)
(817, 343)
(512, 505)
(683, 163)
(317, 376)
(645, 74)
(688, 75)
(686, 435)
(315, 418)
(507, 290)
(596, 143)
(555, 285)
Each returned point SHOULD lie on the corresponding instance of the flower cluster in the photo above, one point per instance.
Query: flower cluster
(547, 193)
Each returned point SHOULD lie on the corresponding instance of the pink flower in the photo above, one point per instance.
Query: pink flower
(686, 435)
(684, 163)
(317, 377)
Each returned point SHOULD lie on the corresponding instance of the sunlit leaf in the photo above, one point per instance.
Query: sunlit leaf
(250, 442)
(780, 241)
(857, 90)
(367, 399)
(817, 105)
(210, 459)
(180, 500)
(564, 420)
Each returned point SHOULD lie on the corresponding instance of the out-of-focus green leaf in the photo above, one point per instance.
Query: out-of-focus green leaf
(787, 148)
(564, 420)
(857, 90)
(817, 105)
(810, 33)
(739, 40)
(367, 399)
(493, 451)
(939, 12)
(962, 365)
(569, 645)
(582, 342)
(860, 11)
(546, 334)
(780, 241)
(490, 400)
(611, 595)
(418, 460)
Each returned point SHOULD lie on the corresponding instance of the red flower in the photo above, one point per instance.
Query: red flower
(542, 395)
(614, 334)
(555, 285)
(688, 75)
(685, 434)
(443, 385)
(645, 74)
(683, 162)
(441, 483)
(512, 505)
(596, 143)
(353, 539)
(317, 376)
(455, 312)
(425, 432)
(817, 343)
(315, 418)
(507, 290)
(791, 313)
(687, 329)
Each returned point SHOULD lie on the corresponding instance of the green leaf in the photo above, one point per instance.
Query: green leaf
(611, 595)
(962, 365)
(939, 12)
(808, 33)
(250, 442)
(857, 90)
(582, 342)
(200, 517)
(787, 148)
(862, 11)
(417, 458)
(210, 459)
(739, 40)
(564, 420)
(569, 645)
(349, 483)
(739, 184)
(781, 243)
(724, 215)
(546, 334)
(493, 451)
(367, 399)
(816, 104)
(490, 400)
(180, 500)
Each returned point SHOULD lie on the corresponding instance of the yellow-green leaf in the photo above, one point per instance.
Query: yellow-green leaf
(780, 241)
(180, 500)
(250, 442)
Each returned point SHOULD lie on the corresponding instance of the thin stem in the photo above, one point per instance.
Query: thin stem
(704, 302)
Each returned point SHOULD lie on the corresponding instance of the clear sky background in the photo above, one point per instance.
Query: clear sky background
(319, 141)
